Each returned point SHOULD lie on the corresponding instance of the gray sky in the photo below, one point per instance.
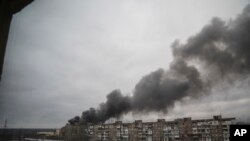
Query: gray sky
(65, 56)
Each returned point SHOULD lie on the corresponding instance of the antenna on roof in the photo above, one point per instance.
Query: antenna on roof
(5, 124)
(220, 110)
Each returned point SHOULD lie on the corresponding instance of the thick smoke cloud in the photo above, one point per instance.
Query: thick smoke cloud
(223, 49)
(159, 90)
(116, 105)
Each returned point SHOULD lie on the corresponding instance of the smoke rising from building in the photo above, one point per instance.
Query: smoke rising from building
(116, 105)
(220, 49)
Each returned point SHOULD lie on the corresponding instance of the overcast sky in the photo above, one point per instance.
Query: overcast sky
(65, 56)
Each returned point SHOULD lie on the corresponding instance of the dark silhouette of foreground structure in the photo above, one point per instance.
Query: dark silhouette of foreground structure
(7, 9)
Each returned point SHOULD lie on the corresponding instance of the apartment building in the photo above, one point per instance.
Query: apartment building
(183, 129)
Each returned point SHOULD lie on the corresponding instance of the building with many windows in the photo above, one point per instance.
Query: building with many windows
(183, 129)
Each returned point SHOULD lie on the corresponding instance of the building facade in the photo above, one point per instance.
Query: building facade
(184, 129)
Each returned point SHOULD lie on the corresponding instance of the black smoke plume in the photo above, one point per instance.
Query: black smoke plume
(116, 105)
(222, 51)
(74, 120)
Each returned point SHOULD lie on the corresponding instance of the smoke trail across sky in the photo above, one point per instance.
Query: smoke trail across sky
(220, 48)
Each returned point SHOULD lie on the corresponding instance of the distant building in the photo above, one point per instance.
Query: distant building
(9, 134)
(184, 129)
(49, 133)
